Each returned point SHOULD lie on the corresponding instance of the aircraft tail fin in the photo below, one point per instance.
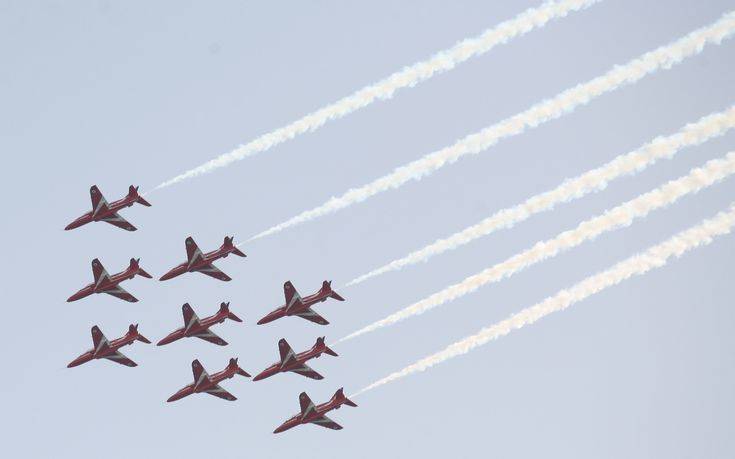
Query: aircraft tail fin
(135, 265)
(133, 193)
(340, 398)
(133, 330)
(231, 247)
(225, 307)
(327, 288)
(327, 350)
(238, 370)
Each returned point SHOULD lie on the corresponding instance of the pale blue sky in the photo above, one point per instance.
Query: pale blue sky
(114, 93)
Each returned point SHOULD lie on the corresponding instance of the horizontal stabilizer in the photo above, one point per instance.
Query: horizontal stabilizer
(133, 193)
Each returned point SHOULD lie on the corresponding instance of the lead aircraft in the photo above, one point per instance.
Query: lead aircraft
(102, 211)
(110, 284)
(196, 261)
(290, 361)
(210, 384)
(104, 349)
(301, 307)
(194, 326)
(311, 414)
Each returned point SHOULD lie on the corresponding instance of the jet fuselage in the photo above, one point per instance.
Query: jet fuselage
(318, 412)
(115, 279)
(112, 209)
(301, 358)
(306, 303)
(206, 260)
(109, 350)
(205, 384)
(193, 330)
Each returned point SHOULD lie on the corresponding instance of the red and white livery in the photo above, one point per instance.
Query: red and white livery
(110, 284)
(199, 328)
(301, 307)
(290, 361)
(204, 383)
(311, 414)
(196, 261)
(102, 211)
(104, 349)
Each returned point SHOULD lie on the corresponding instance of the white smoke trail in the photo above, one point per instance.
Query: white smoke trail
(618, 217)
(655, 257)
(531, 19)
(591, 181)
(563, 103)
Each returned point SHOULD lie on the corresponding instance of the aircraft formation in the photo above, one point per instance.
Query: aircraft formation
(194, 327)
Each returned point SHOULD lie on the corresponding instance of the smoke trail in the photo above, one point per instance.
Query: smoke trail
(594, 180)
(531, 19)
(655, 257)
(563, 103)
(620, 216)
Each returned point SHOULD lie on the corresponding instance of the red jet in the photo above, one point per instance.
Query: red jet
(316, 414)
(296, 362)
(209, 384)
(196, 261)
(104, 349)
(102, 211)
(194, 326)
(297, 306)
(104, 283)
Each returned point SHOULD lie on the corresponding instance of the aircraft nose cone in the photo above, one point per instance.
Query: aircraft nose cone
(74, 297)
(266, 319)
(166, 340)
(175, 397)
(86, 357)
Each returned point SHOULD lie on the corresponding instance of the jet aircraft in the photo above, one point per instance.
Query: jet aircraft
(209, 384)
(105, 283)
(102, 211)
(104, 349)
(301, 307)
(196, 261)
(194, 326)
(291, 361)
(316, 414)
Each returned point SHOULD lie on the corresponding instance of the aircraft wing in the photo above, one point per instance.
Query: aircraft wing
(118, 357)
(200, 374)
(99, 203)
(208, 335)
(121, 293)
(311, 315)
(99, 272)
(193, 254)
(326, 422)
(305, 370)
(117, 220)
(99, 340)
(287, 353)
(218, 391)
(307, 406)
(293, 299)
(213, 271)
(190, 317)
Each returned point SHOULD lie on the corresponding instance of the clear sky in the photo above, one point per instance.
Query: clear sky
(114, 93)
